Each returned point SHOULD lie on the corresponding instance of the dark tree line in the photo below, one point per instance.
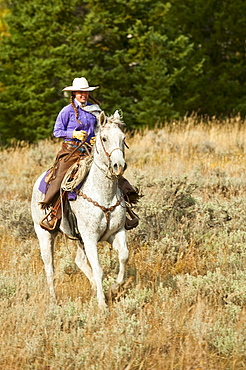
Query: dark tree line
(155, 60)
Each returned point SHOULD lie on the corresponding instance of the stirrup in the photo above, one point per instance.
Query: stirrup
(133, 222)
(49, 225)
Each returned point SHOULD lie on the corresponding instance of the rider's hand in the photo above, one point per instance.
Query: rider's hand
(92, 140)
(80, 135)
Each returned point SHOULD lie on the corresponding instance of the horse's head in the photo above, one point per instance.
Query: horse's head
(110, 143)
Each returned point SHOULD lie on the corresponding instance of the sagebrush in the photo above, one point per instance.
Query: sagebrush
(183, 304)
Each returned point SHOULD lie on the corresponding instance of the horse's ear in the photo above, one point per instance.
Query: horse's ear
(102, 118)
(117, 115)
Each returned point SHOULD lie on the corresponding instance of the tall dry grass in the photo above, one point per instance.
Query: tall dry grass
(183, 305)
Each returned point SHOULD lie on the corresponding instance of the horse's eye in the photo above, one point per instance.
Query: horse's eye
(104, 139)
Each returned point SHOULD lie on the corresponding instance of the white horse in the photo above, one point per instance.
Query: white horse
(99, 210)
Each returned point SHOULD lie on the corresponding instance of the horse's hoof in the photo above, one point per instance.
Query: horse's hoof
(53, 300)
(114, 289)
(103, 307)
(113, 292)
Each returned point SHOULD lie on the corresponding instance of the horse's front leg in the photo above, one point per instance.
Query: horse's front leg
(46, 242)
(91, 251)
(118, 242)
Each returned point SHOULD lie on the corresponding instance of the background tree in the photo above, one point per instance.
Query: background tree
(34, 58)
(124, 46)
(139, 59)
(3, 13)
(218, 31)
(154, 60)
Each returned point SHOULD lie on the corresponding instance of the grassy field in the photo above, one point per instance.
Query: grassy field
(184, 302)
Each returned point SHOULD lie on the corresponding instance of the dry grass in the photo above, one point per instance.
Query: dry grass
(183, 306)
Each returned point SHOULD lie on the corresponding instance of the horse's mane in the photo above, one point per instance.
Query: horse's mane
(116, 119)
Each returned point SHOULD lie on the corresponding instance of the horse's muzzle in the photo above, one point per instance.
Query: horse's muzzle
(118, 169)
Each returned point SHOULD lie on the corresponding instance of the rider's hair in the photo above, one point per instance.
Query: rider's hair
(72, 97)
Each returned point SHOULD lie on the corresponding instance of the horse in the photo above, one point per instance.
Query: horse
(99, 210)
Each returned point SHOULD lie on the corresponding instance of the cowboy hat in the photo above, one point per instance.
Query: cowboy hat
(80, 84)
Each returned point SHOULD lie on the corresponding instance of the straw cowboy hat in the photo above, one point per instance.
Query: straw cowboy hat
(80, 84)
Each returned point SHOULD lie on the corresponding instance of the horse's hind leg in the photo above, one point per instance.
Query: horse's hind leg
(46, 242)
(82, 262)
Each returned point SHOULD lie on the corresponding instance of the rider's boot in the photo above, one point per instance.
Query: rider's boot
(52, 219)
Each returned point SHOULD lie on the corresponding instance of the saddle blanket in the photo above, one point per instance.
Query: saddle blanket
(71, 195)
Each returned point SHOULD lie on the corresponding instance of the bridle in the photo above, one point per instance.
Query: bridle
(108, 173)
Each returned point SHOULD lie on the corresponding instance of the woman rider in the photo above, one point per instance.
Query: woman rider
(77, 123)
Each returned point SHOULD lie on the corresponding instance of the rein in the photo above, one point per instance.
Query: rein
(84, 145)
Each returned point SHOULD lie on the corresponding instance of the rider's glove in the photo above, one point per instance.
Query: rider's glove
(92, 140)
(80, 135)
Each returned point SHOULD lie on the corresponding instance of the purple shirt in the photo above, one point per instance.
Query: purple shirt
(66, 123)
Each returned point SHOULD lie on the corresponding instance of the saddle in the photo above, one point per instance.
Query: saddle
(52, 219)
